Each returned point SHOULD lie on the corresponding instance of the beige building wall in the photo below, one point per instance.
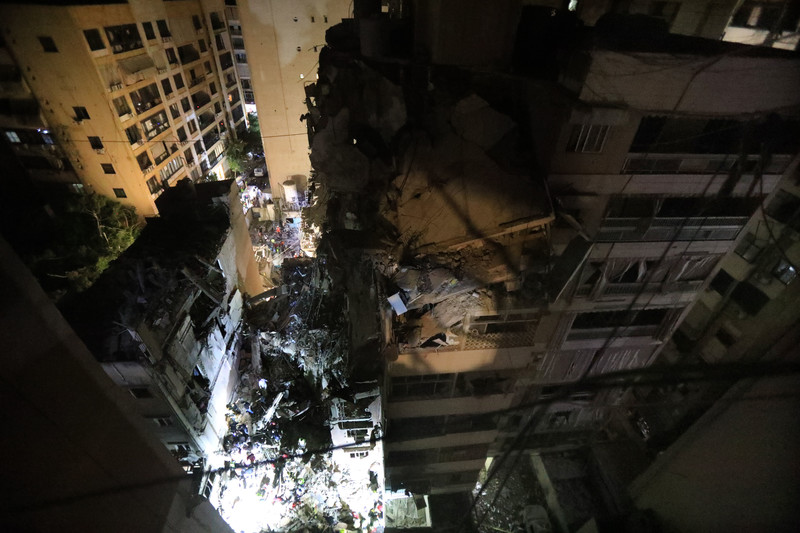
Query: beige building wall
(273, 31)
(73, 75)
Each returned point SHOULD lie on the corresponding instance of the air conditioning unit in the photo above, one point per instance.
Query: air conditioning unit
(161, 70)
(116, 86)
(100, 151)
(166, 39)
(140, 142)
(149, 169)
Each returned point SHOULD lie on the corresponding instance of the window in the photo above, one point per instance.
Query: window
(785, 272)
(785, 208)
(325, 18)
(80, 113)
(181, 133)
(123, 38)
(96, 143)
(212, 87)
(162, 421)
(241, 58)
(12, 136)
(178, 81)
(192, 126)
(721, 282)
(207, 65)
(138, 392)
(166, 86)
(163, 30)
(155, 124)
(48, 44)
(588, 138)
(749, 298)
(422, 386)
(171, 57)
(153, 185)
(133, 134)
(189, 156)
(174, 111)
(217, 107)
(220, 43)
(198, 24)
(94, 40)
(108, 168)
(202, 44)
(148, 30)
(186, 105)
(144, 161)
(748, 249)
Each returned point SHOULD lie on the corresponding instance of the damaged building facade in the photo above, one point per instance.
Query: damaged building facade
(536, 254)
(164, 319)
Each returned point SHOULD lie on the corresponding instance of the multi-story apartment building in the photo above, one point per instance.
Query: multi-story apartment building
(282, 41)
(656, 155)
(138, 95)
(773, 23)
(170, 334)
(240, 54)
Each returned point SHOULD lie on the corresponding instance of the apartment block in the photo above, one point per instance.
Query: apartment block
(137, 95)
(282, 42)
(655, 157)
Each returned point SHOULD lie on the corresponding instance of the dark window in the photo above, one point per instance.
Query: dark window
(171, 57)
(610, 319)
(120, 193)
(174, 111)
(662, 135)
(198, 147)
(94, 39)
(202, 44)
(108, 168)
(148, 30)
(80, 113)
(630, 207)
(192, 126)
(163, 30)
(748, 249)
(96, 143)
(186, 105)
(219, 41)
(207, 65)
(212, 87)
(178, 81)
(725, 337)
(137, 392)
(188, 155)
(133, 133)
(181, 134)
(153, 185)
(325, 18)
(123, 38)
(48, 44)
(198, 24)
(167, 86)
(749, 298)
(721, 282)
(785, 208)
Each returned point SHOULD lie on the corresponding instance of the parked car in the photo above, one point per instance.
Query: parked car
(535, 519)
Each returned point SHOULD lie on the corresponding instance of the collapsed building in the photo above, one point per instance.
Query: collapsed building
(164, 319)
(538, 227)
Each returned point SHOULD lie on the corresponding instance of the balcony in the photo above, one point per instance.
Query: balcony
(200, 99)
(197, 80)
(217, 24)
(225, 60)
(640, 163)
(145, 98)
(667, 229)
(209, 139)
(123, 38)
(206, 119)
(188, 54)
(144, 161)
(163, 156)
(155, 125)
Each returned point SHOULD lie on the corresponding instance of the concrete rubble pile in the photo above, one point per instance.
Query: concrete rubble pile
(283, 475)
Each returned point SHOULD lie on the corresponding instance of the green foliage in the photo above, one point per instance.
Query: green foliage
(236, 152)
(252, 119)
(88, 233)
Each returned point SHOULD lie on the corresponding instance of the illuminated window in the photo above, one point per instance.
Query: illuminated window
(12, 136)
(785, 272)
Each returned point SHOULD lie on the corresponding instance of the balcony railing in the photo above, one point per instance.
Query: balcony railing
(637, 163)
(666, 229)
(197, 80)
(605, 333)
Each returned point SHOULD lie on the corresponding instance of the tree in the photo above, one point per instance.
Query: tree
(88, 233)
(236, 152)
